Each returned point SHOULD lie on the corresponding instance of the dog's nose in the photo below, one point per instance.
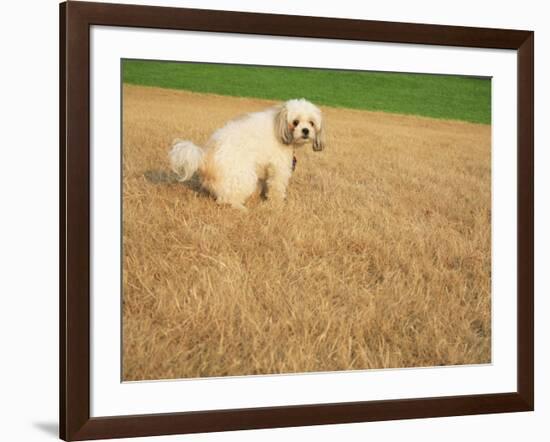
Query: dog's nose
(305, 131)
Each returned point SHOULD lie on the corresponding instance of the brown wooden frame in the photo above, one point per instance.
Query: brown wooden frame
(75, 21)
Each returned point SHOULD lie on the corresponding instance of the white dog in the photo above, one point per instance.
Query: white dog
(255, 146)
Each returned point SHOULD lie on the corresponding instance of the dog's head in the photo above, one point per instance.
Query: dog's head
(299, 122)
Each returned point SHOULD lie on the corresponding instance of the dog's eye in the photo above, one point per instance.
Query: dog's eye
(312, 124)
(295, 122)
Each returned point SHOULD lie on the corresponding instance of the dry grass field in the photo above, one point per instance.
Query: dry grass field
(379, 259)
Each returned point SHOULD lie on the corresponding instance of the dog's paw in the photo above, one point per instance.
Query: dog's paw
(240, 207)
(233, 204)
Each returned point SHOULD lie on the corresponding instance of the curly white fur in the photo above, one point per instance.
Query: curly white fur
(255, 146)
(185, 158)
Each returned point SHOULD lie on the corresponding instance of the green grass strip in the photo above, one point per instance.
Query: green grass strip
(436, 96)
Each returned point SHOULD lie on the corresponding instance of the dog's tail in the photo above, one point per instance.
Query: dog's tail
(185, 158)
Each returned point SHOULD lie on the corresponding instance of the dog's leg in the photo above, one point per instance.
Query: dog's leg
(277, 182)
(235, 188)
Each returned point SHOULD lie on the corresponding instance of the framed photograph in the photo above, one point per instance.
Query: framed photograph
(275, 220)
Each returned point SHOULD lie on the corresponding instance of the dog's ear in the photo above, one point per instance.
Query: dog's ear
(319, 140)
(282, 129)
